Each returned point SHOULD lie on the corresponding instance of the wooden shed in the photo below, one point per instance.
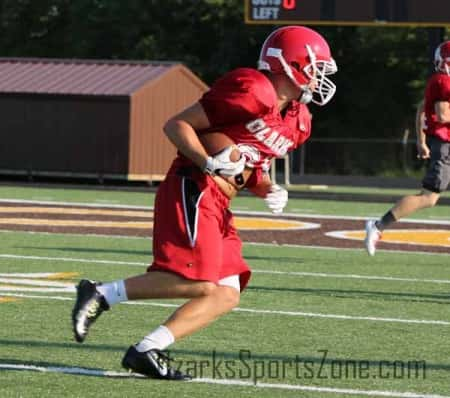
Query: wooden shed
(89, 118)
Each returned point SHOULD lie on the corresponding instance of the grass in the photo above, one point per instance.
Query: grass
(300, 329)
(361, 190)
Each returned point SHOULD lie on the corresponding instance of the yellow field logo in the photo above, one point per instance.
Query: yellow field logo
(144, 217)
(427, 237)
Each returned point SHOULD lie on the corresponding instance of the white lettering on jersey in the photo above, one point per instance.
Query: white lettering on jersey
(269, 141)
(270, 138)
(261, 134)
(255, 125)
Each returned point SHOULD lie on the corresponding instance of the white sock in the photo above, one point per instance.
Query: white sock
(159, 339)
(113, 292)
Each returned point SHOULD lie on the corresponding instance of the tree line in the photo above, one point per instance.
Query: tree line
(382, 70)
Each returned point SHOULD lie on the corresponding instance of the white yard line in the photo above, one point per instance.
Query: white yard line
(226, 382)
(68, 259)
(96, 235)
(255, 213)
(352, 276)
(265, 312)
(349, 249)
(80, 204)
(256, 271)
(345, 317)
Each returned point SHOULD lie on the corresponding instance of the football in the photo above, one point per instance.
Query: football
(216, 142)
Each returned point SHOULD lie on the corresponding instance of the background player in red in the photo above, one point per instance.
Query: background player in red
(197, 251)
(433, 122)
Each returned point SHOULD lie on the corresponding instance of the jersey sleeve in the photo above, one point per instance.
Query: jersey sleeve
(239, 96)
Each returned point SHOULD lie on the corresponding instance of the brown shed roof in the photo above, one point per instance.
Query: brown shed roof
(78, 77)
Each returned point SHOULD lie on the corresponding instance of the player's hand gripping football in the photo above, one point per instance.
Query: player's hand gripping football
(221, 164)
(276, 199)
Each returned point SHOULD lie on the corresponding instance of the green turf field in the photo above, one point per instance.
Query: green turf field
(313, 323)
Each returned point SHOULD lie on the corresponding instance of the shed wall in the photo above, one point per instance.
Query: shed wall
(63, 135)
(90, 134)
(150, 150)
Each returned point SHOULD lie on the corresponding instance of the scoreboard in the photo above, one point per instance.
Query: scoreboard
(428, 13)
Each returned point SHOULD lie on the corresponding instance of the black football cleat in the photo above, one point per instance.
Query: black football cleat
(88, 307)
(153, 363)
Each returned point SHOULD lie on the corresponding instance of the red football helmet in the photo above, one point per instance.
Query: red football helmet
(442, 57)
(304, 55)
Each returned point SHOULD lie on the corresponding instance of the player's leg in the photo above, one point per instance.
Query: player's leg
(435, 181)
(216, 300)
(173, 229)
(403, 208)
(93, 298)
(201, 311)
(154, 285)
(411, 204)
(218, 257)
(194, 315)
(198, 312)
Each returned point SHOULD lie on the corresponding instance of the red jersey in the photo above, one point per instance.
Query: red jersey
(437, 89)
(243, 104)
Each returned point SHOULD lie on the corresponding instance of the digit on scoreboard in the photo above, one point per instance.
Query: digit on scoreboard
(289, 4)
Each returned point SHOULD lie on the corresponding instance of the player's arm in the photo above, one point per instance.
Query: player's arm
(423, 152)
(181, 131)
(442, 110)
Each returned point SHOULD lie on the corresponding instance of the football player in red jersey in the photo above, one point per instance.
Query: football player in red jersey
(197, 251)
(433, 142)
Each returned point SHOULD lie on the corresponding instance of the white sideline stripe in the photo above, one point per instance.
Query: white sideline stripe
(80, 204)
(270, 312)
(227, 382)
(347, 317)
(256, 271)
(352, 276)
(34, 275)
(72, 371)
(349, 249)
(331, 390)
(37, 289)
(59, 298)
(255, 213)
(9, 231)
(68, 259)
(35, 282)
(315, 315)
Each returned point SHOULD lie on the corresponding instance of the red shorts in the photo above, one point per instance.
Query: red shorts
(193, 232)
